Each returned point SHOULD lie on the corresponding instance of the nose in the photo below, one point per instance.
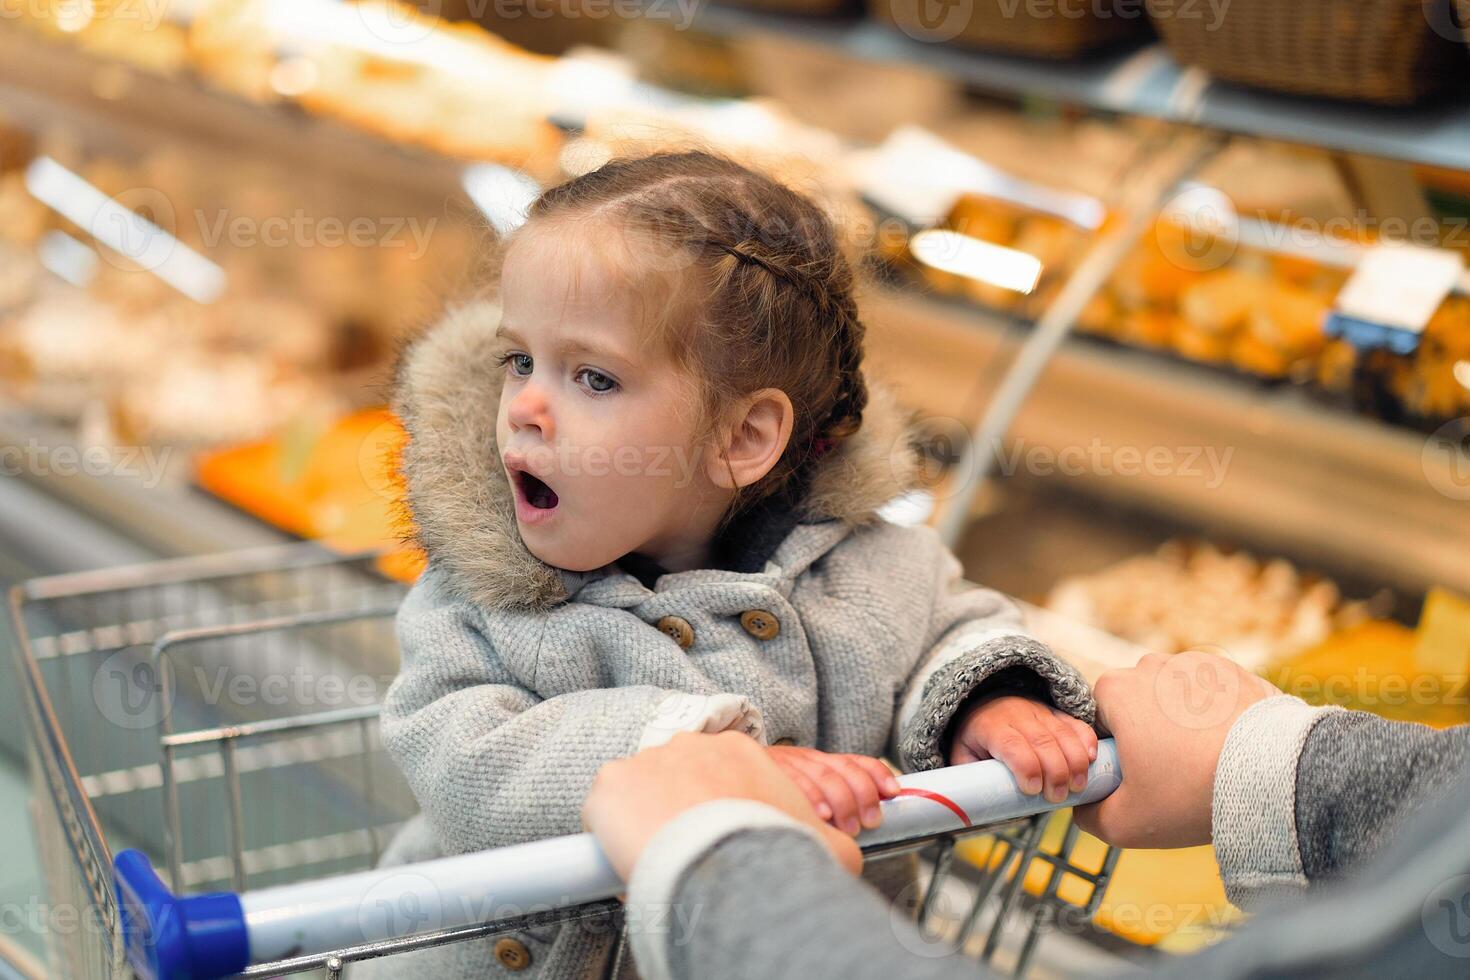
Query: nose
(530, 409)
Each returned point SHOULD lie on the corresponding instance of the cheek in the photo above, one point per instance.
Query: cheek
(631, 477)
(657, 458)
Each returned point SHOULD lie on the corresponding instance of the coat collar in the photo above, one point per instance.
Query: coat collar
(447, 394)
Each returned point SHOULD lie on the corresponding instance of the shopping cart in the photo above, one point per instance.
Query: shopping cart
(217, 717)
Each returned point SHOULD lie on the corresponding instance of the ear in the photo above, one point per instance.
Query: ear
(758, 430)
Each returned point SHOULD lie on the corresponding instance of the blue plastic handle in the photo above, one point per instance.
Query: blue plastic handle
(173, 938)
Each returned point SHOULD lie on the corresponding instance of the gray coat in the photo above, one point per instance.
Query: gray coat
(520, 680)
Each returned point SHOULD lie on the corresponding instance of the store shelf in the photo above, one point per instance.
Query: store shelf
(73, 519)
(1142, 81)
(43, 82)
(1324, 487)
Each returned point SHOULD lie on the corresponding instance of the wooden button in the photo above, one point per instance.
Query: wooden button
(512, 954)
(679, 629)
(760, 624)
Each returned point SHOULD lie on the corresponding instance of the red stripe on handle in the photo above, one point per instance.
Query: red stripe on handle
(944, 801)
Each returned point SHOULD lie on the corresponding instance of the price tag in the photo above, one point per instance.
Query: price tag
(918, 176)
(1400, 286)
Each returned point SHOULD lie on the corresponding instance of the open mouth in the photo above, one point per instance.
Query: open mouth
(536, 493)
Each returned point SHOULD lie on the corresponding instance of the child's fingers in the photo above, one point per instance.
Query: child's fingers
(813, 794)
(1076, 753)
(836, 792)
(1012, 748)
(864, 788)
(1086, 734)
(1056, 775)
(882, 776)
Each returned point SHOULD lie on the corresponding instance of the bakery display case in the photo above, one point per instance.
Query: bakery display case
(1127, 297)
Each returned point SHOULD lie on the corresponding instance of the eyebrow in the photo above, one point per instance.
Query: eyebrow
(569, 347)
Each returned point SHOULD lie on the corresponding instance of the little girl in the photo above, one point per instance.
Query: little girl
(647, 480)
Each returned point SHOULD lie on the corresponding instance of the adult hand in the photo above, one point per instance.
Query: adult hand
(1170, 716)
(633, 798)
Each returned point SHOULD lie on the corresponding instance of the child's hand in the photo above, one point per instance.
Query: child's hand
(844, 789)
(1039, 744)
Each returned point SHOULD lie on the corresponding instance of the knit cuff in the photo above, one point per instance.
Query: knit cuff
(959, 675)
(1253, 813)
(672, 852)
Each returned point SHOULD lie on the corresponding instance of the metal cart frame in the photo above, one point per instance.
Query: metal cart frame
(149, 778)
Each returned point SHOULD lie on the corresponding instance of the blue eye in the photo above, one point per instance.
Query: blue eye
(520, 364)
(597, 381)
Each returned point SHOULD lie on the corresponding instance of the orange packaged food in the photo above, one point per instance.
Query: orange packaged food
(1291, 320)
(339, 485)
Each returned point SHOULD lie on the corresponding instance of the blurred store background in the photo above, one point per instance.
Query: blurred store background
(219, 219)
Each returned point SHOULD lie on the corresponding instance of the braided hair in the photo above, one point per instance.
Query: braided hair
(756, 289)
(838, 307)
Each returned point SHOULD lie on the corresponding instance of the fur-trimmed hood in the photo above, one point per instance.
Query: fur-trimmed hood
(447, 394)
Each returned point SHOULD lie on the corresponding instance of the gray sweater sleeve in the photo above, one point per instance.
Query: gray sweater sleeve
(489, 761)
(1302, 794)
(735, 888)
(1360, 777)
(840, 927)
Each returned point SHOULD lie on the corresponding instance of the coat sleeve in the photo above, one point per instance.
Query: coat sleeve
(736, 888)
(1303, 795)
(974, 643)
(489, 761)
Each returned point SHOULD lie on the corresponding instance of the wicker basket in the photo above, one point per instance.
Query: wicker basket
(1383, 51)
(1039, 28)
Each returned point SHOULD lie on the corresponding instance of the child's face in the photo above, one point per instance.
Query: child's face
(597, 428)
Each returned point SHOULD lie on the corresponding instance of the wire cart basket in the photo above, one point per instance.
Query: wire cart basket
(217, 717)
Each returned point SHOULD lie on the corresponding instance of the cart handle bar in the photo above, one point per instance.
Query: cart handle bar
(202, 937)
